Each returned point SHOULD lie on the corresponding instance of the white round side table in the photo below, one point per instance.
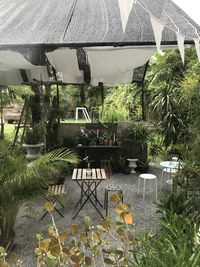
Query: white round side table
(147, 176)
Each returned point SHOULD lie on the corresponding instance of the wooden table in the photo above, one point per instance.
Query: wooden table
(88, 182)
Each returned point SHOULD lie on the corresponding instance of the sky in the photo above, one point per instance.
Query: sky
(191, 7)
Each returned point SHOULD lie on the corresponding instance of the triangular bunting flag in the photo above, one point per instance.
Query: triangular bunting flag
(157, 29)
(125, 10)
(180, 40)
(197, 46)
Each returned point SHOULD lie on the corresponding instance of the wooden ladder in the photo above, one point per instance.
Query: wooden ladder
(22, 123)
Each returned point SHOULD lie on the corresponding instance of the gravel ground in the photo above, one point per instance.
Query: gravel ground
(28, 224)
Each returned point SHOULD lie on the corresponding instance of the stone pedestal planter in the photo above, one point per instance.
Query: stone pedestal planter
(132, 164)
(33, 152)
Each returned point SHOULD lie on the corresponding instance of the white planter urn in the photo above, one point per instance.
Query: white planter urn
(33, 152)
(132, 164)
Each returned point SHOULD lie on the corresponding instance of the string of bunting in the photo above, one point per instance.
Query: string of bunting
(126, 7)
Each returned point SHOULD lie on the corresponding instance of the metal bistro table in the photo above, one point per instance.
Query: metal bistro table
(88, 182)
(170, 165)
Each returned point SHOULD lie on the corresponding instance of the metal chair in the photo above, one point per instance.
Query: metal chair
(54, 193)
(112, 188)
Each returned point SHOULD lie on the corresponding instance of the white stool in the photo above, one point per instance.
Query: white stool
(147, 176)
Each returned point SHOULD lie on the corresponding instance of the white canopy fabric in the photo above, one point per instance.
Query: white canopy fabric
(65, 60)
(11, 77)
(10, 65)
(107, 64)
(131, 30)
(116, 65)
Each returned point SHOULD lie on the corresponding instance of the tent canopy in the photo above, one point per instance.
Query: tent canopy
(88, 40)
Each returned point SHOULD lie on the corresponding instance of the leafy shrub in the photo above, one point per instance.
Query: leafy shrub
(113, 241)
(92, 244)
(137, 132)
(177, 244)
(178, 241)
(176, 203)
(33, 134)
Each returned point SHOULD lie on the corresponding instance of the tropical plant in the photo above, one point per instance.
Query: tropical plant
(85, 136)
(164, 97)
(191, 96)
(137, 132)
(178, 241)
(116, 104)
(19, 181)
(188, 179)
(166, 106)
(177, 244)
(176, 203)
(33, 134)
(155, 145)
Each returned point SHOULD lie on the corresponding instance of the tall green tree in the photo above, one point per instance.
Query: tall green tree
(165, 99)
(118, 103)
(191, 96)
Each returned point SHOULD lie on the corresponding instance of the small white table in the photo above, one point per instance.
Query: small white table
(170, 164)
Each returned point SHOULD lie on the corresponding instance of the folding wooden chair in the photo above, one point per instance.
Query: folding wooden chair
(54, 193)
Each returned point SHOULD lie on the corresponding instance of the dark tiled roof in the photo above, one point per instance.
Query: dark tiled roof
(87, 22)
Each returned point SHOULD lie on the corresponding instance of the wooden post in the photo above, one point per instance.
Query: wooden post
(1, 111)
(57, 95)
(143, 103)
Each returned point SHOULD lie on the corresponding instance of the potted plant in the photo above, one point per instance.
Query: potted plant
(19, 182)
(33, 142)
(134, 143)
(84, 137)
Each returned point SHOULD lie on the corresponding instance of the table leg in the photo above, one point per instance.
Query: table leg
(88, 193)
(83, 192)
(84, 205)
